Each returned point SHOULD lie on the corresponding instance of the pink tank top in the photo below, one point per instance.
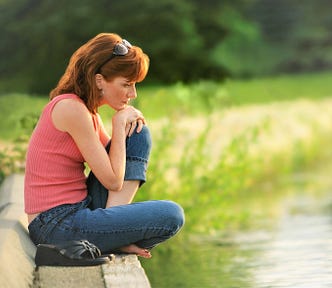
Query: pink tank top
(54, 172)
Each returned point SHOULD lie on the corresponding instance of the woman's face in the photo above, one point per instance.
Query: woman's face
(117, 93)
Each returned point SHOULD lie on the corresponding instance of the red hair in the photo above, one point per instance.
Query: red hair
(79, 77)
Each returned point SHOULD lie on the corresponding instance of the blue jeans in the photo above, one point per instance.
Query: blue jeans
(145, 224)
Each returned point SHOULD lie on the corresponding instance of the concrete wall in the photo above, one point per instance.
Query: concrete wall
(17, 266)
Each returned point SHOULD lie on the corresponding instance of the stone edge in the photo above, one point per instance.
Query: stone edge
(17, 266)
(16, 249)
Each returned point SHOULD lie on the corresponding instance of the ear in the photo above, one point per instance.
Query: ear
(99, 80)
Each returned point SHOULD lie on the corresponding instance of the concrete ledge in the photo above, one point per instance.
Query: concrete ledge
(16, 249)
(125, 271)
(17, 252)
(63, 277)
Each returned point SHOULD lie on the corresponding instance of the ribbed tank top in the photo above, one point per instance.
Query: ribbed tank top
(54, 172)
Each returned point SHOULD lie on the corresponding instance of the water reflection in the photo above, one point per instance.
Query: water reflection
(295, 252)
(200, 265)
(300, 254)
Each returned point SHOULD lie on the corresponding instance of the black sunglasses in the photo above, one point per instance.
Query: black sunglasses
(120, 49)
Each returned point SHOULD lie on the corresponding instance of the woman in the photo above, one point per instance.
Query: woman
(60, 203)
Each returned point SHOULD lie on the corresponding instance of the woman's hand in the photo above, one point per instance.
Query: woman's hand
(131, 118)
(130, 127)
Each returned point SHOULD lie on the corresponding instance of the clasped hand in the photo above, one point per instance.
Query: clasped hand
(132, 118)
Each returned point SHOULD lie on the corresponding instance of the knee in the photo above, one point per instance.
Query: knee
(144, 137)
(139, 144)
(175, 215)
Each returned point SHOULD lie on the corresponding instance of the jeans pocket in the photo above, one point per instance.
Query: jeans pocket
(35, 229)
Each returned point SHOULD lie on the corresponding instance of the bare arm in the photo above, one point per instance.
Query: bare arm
(73, 117)
(103, 135)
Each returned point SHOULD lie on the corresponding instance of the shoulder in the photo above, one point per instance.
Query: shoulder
(70, 103)
(69, 111)
(71, 108)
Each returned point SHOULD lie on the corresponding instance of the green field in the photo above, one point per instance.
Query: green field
(180, 99)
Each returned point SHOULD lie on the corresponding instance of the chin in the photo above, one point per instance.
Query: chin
(114, 107)
(118, 108)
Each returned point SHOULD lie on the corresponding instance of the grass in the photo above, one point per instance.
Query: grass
(214, 143)
(216, 188)
(282, 88)
(205, 97)
(18, 112)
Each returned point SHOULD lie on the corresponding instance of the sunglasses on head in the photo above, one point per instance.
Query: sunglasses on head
(120, 49)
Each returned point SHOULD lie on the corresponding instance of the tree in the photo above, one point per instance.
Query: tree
(185, 40)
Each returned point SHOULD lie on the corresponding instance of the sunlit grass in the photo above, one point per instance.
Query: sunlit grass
(18, 113)
(204, 97)
(215, 169)
(177, 100)
(214, 144)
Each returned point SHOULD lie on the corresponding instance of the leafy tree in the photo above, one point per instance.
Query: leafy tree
(298, 32)
(186, 40)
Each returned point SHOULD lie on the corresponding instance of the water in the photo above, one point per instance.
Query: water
(298, 253)
(292, 250)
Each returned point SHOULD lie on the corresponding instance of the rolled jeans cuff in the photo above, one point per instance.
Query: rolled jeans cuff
(138, 147)
(136, 169)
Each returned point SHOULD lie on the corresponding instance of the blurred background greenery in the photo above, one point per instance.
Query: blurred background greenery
(207, 57)
(186, 40)
(238, 98)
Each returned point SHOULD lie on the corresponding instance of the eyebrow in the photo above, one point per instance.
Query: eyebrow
(129, 82)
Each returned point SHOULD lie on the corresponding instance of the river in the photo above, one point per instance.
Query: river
(291, 250)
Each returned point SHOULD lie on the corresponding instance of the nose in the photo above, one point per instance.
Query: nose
(132, 93)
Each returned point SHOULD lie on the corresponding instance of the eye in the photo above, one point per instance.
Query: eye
(128, 85)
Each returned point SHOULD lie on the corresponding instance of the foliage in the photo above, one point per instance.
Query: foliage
(201, 182)
(180, 99)
(214, 196)
(12, 154)
(204, 97)
(186, 40)
(18, 114)
(12, 158)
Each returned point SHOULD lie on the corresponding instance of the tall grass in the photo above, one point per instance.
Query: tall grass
(213, 182)
(215, 187)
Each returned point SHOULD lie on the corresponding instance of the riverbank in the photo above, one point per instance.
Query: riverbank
(210, 164)
(17, 267)
(287, 243)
